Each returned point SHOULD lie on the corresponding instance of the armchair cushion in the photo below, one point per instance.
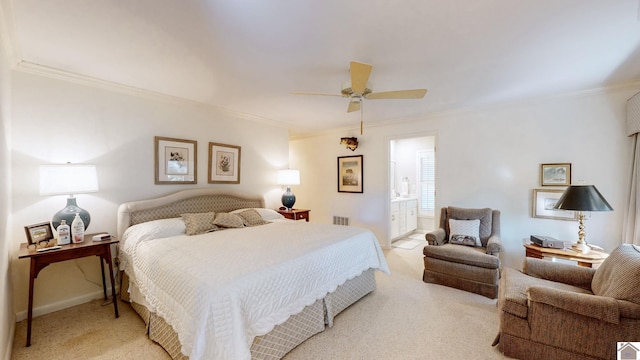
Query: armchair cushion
(617, 277)
(471, 256)
(515, 296)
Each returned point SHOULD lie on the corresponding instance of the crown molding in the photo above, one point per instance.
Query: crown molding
(8, 38)
(54, 73)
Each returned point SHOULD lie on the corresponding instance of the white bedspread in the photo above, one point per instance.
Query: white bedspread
(220, 290)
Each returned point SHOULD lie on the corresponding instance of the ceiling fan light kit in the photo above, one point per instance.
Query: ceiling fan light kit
(359, 88)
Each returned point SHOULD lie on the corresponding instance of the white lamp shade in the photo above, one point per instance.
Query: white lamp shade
(68, 179)
(289, 177)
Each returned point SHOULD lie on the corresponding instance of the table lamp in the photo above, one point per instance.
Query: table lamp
(69, 179)
(288, 178)
(582, 198)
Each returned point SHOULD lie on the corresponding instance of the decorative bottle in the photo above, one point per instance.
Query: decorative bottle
(77, 229)
(64, 233)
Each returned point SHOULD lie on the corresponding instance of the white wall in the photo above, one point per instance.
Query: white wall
(56, 121)
(7, 319)
(487, 158)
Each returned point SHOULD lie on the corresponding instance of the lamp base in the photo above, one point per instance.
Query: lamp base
(69, 212)
(581, 247)
(288, 199)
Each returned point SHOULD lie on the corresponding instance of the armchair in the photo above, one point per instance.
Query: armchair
(561, 311)
(471, 268)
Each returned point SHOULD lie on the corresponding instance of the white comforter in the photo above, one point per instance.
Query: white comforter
(220, 290)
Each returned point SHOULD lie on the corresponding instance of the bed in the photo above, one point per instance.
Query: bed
(237, 291)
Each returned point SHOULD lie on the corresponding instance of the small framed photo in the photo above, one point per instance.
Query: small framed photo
(224, 164)
(176, 161)
(350, 170)
(39, 235)
(555, 174)
(543, 202)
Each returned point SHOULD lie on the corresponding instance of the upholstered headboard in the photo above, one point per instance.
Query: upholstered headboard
(181, 202)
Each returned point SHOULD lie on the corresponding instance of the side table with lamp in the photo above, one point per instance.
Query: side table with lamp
(68, 179)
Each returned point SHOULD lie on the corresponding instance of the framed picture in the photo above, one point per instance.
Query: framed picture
(350, 177)
(176, 161)
(38, 235)
(543, 203)
(555, 174)
(224, 164)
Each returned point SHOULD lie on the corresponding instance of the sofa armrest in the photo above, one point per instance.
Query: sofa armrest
(494, 245)
(436, 237)
(558, 272)
(593, 306)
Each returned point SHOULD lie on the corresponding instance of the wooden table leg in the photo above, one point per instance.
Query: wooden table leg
(585, 264)
(113, 285)
(32, 276)
(104, 285)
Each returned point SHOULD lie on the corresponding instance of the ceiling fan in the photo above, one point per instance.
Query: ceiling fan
(359, 88)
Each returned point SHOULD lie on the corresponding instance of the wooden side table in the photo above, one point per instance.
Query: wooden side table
(591, 259)
(40, 260)
(295, 214)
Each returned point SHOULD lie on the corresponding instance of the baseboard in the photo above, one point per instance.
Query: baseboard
(60, 305)
(12, 334)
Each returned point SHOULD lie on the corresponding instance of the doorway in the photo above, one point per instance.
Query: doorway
(411, 185)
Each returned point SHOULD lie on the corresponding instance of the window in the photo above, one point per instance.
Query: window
(427, 182)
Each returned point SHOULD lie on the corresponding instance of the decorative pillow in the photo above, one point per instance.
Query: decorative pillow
(617, 277)
(267, 214)
(227, 220)
(199, 223)
(469, 229)
(484, 215)
(252, 218)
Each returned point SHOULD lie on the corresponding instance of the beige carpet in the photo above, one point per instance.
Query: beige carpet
(403, 318)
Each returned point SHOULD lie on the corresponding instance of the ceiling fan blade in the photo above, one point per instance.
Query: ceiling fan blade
(313, 93)
(398, 94)
(353, 106)
(359, 76)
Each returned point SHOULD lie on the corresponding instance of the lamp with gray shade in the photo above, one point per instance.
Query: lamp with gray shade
(69, 179)
(288, 178)
(582, 198)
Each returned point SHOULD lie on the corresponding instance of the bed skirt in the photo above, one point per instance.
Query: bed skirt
(284, 337)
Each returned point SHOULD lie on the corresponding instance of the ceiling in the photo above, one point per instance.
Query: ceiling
(248, 56)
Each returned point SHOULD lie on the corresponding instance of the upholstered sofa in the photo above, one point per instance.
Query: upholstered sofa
(562, 311)
(471, 268)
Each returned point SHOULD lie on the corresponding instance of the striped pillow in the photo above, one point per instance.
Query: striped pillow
(617, 277)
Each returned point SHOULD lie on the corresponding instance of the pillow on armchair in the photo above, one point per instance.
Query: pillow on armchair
(485, 216)
(464, 232)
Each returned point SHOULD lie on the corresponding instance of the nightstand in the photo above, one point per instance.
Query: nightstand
(295, 214)
(40, 260)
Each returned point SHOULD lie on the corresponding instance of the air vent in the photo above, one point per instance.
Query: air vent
(340, 220)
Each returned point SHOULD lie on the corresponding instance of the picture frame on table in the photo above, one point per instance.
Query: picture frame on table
(39, 235)
(558, 174)
(350, 174)
(176, 161)
(543, 202)
(224, 163)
